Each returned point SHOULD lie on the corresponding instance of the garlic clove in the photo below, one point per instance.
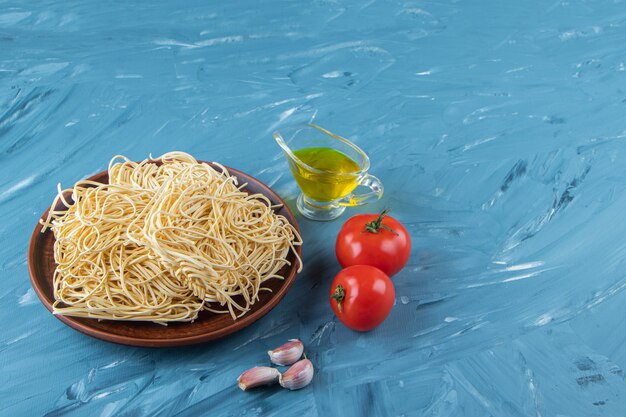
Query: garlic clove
(298, 376)
(260, 375)
(288, 353)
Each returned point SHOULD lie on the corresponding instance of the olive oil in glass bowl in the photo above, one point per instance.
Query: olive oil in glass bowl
(328, 169)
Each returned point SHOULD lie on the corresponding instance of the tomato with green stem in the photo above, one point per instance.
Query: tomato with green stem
(362, 297)
(374, 239)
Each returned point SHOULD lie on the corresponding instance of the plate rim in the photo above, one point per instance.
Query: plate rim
(238, 325)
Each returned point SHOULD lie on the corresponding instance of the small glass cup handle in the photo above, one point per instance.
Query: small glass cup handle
(357, 199)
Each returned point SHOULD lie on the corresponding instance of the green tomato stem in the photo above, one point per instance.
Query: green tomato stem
(338, 296)
(375, 225)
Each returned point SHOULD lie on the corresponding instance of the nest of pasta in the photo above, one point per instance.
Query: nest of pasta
(162, 242)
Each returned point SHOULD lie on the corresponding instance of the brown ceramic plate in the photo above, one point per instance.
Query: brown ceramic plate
(208, 326)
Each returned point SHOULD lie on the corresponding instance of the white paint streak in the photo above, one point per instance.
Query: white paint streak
(20, 185)
(29, 298)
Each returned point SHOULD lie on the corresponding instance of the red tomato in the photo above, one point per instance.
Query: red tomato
(376, 240)
(362, 297)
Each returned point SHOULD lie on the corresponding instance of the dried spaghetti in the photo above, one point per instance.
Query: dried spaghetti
(163, 242)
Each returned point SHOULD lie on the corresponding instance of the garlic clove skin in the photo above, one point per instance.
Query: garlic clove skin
(298, 376)
(257, 376)
(288, 353)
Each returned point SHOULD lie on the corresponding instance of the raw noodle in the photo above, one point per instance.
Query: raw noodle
(163, 242)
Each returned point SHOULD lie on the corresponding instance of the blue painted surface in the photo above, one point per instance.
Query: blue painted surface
(497, 127)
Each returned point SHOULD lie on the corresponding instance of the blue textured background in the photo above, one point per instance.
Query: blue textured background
(497, 127)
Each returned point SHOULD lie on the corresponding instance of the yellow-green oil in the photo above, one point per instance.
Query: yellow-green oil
(331, 184)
